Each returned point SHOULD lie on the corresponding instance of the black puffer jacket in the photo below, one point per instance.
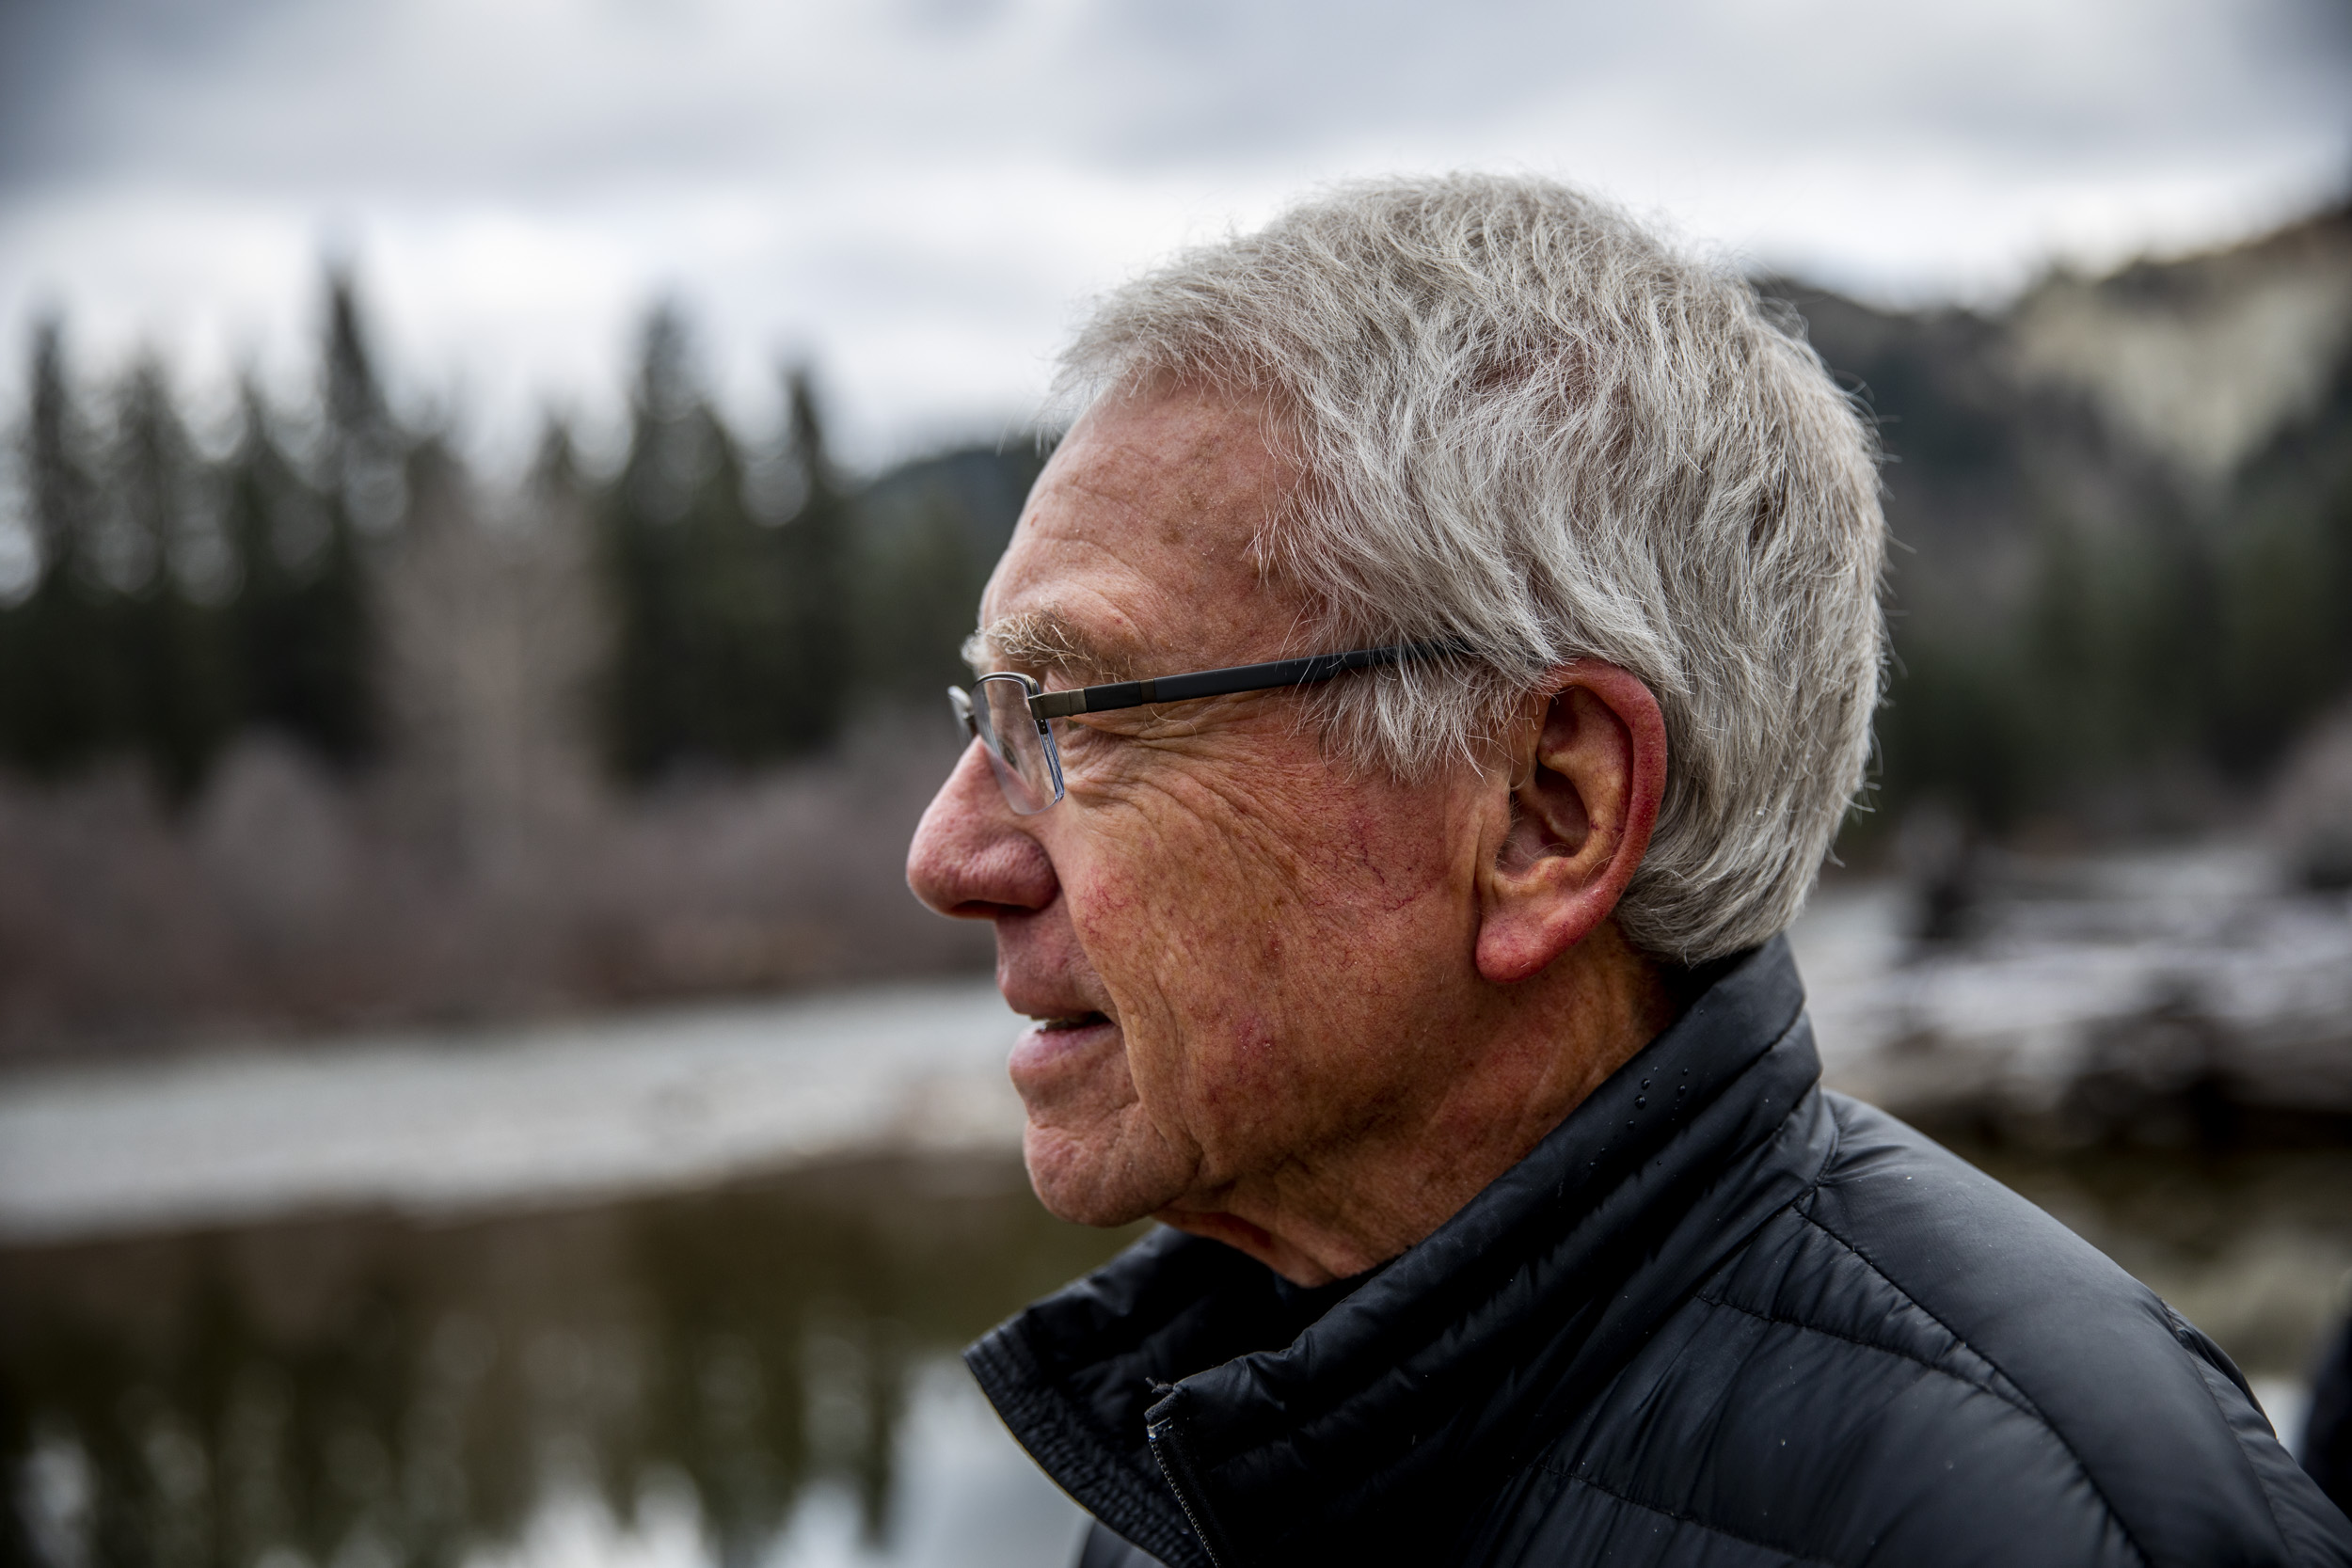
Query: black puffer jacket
(1718, 1317)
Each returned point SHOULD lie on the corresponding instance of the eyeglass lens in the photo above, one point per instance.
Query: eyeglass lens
(1027, 770)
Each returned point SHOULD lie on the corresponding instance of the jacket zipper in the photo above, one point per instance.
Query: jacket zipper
(1167, 1448)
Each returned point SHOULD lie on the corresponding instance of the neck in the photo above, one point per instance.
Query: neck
(1496, 1080)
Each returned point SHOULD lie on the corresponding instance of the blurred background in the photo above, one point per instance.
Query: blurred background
(491, 492)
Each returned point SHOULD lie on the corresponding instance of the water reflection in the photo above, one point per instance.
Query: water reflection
(740, 1376)
(378, 1391)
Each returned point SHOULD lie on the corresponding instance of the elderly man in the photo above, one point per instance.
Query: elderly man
(1421, 687)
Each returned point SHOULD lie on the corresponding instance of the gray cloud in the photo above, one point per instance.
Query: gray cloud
(534, 96)
(518, 175)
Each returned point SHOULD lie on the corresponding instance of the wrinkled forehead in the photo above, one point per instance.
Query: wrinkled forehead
(1139, 550)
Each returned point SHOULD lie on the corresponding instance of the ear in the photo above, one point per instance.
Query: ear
(1589, 772)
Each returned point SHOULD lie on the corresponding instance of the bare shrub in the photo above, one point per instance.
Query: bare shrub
(288, 901)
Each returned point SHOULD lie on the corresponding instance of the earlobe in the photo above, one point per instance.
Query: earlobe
(1583, 796)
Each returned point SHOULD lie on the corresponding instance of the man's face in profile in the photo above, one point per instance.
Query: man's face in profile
(1238, 952)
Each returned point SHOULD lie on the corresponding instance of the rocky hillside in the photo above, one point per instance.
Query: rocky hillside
(2125, 510)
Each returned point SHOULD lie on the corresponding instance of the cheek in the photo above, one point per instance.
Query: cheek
(1257, 964)
(1178, 918)
(1193, 931)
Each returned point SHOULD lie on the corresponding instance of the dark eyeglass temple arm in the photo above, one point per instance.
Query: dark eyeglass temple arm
(1310, 670)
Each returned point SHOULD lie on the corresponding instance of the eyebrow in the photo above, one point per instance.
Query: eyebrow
(1042, 641)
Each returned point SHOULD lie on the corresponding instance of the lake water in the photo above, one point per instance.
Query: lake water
(762, 1374)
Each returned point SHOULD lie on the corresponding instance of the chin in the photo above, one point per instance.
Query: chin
(1082, 1179)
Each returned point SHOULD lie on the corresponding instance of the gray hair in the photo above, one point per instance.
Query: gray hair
(1529, 426)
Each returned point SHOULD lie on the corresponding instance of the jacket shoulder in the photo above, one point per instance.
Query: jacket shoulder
(2158, 1424)
(1913, 1365)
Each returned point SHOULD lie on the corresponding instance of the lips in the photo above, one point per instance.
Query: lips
(1074, 1029)
(1057, 1053)
(1054, 1003)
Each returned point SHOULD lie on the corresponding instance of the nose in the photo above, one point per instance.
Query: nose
(969, 857)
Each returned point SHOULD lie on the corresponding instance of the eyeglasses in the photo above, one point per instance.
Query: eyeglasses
(1012, 715)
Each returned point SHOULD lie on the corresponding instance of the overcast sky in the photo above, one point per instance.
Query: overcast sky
(919, 194)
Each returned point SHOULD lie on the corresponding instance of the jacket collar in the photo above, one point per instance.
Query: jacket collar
(1213, 1414)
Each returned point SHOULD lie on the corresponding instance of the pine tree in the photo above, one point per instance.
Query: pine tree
(168, 645)
(366, 450)
(303, 638)
(60, 700)
(709, 597)
(814, 546)
(2284, 576)
(298, 634)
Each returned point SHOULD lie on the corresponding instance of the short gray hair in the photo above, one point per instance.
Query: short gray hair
(1529, 425)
